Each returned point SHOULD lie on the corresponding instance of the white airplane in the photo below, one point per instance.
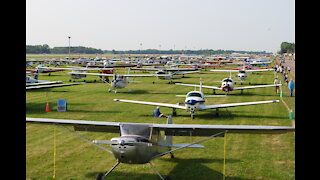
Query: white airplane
(194, 101)
(242, 74)
(227, 85)
(169, 71)
(118, 81)
(140, 143)
(41, 84)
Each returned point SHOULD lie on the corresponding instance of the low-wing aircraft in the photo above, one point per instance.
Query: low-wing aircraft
(118, 81)
(41, 84)
(169, 71)
(227, 85)
(42, 69)
(242, 74)
(140, 143)
(194, 101)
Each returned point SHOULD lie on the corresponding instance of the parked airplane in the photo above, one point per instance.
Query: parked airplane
(118, 81)
(242, 74)
(42, 69)
(194, 102)
(227, 85)
(169, 71)
(139, 143)
(41, 84)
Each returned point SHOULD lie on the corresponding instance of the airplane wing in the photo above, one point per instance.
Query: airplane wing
(222, 70)
(195, 85)
(238, 104)
(43, 83)
(51, 86)
(260, 86)
(184, 72)
(169, 129)
(153, 103)
(257, 70)
(124, 75)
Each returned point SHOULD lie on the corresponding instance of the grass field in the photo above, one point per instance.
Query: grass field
(248, 156)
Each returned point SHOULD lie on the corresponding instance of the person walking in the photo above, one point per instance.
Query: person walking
(276, 81)
(291, 87)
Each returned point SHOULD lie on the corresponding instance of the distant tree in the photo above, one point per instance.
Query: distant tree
(286, 47)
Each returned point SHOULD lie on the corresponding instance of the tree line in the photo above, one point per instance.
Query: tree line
(45, 49)
(287, 47)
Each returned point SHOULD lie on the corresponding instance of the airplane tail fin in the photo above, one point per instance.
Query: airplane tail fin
(168, 139)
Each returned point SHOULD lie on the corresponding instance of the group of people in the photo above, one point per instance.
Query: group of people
(280, 69)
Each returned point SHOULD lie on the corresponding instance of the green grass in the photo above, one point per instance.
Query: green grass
(248, 156)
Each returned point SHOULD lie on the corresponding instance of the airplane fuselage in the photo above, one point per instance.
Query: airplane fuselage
(135, 149)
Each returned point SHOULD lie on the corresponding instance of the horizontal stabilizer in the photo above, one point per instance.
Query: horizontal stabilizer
(102, 141)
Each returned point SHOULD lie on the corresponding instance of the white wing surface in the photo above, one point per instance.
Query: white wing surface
(238, 104)
(251, 87)
(152, 103)
(51, 86)
(170, 129)
(124, 75)
(195, 85)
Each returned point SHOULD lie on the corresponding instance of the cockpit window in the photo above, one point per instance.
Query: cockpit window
(242, 72)
(194, 95)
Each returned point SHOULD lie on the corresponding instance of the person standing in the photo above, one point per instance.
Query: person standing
(276, 81)
(291, 87)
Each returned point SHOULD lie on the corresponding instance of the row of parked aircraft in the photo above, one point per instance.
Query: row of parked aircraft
(140, 143)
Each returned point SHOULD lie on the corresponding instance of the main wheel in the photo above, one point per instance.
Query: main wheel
(100, 176)
(192, 116)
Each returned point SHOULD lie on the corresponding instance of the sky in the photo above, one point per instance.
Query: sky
(249, 25)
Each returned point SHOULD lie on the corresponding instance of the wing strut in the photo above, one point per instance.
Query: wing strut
(83, 138)
(187, 145)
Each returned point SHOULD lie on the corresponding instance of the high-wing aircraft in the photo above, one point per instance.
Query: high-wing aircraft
(118, 81)
(194, 101)
(227, 85)
(140, 143)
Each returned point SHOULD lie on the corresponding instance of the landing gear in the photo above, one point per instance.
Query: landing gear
(192, 115)
(217, 112)
(101, 176)
(171, 155)
(174, 112)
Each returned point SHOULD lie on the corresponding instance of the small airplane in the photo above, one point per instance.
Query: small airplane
(42, 69)
(242, 73)
(118, 81)
(227, 85)
(140, 143)
(169, 71)
(194, 101)
(41, 84)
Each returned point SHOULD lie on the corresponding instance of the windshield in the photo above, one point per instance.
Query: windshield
(194, 95)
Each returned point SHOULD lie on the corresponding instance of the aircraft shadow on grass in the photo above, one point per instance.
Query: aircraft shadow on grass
(194, 167)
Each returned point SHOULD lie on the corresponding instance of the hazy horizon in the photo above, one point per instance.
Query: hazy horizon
(246, 25)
